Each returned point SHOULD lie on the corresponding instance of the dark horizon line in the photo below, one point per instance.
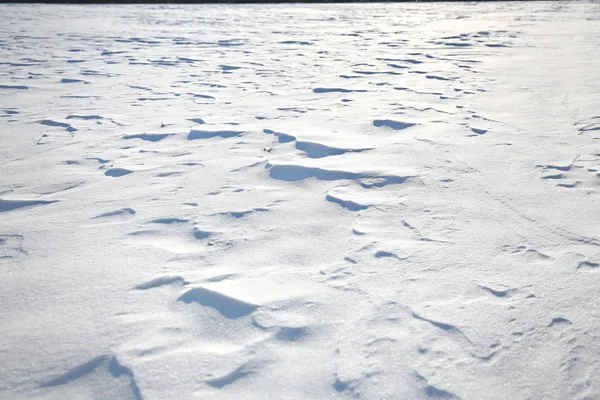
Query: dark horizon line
(253, 1)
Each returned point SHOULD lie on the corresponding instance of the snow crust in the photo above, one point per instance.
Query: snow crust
(367, 201)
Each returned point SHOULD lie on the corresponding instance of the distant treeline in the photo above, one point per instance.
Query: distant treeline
(244, 1)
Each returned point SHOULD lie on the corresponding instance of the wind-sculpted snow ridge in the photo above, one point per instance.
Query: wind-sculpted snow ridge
(359, 201)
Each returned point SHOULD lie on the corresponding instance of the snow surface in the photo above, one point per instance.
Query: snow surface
(371, 201)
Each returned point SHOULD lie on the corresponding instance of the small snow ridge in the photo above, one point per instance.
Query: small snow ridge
(386, 254)
(85, 117)
(478, 131)
(227, 306)
(395, 125)
(281, 137)
(9, 205)
(292, 334)
(554, 176)
(241, 214)
(117, 172)
(202, 96)
(122, 384)
(564, 168)
(559, 321)
(530, 254)
(235, 375)
(68, 80)
(200, 234)
(14, 87)
(317, 150)
(196, 134)
(198, 121)
(225, 68)
(292, 173)
(584, 264)
(230, 42)
(220, 278)
(149, 137)
(441, 325)
(569, 185)
(79, 371)
(337, 90)
(436, 77)
(8, 112)
(167, 174)
(168, 221)
(162, 281)
(348, 204)
(498, 293)
(435, 392)
(381, 181)
(457, 44)
(49, 122)
(346, 386)
(302, 43)
(121, 212)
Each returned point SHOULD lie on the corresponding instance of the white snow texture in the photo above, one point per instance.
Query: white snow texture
(363, 201)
